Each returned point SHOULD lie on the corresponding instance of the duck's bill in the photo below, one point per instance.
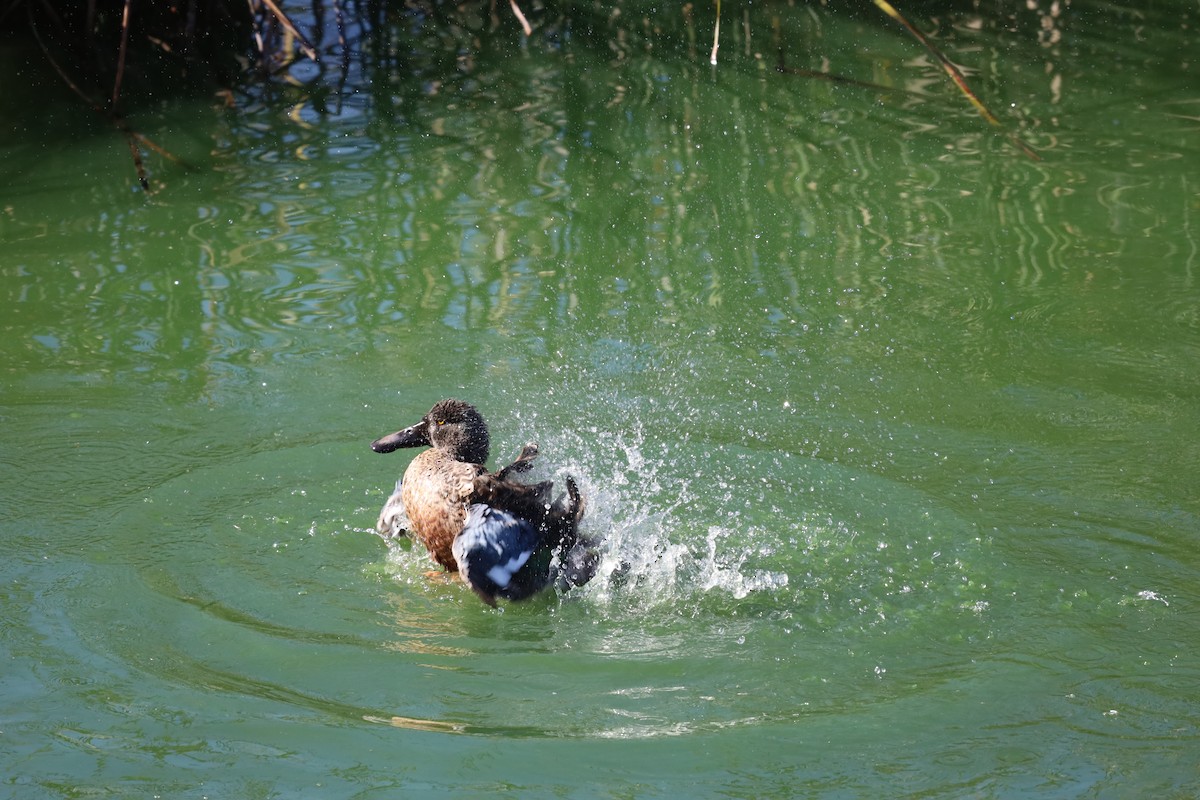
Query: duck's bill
(409, 437)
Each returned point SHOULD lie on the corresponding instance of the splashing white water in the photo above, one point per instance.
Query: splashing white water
(654, 552)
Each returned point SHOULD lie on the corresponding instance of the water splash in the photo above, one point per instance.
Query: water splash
(658, 553)
(697, 521)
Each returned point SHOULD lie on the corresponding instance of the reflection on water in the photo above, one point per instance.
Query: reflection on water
(886, 426)
(385, 225)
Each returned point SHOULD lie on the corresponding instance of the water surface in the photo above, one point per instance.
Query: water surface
(890, 427)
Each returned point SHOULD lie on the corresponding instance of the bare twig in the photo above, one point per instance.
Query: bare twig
(132, 137)
(256, 27)
(955, 75)
(116, 92)
(712, 59)
(303, 43)
(138, 165)
(521, 18)
(947, 65)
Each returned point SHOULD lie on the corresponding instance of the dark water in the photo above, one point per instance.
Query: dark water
(891, 428)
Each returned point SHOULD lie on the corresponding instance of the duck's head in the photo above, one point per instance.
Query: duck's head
(450, 425)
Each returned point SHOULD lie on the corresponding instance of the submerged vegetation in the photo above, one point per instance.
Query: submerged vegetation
(106, 51)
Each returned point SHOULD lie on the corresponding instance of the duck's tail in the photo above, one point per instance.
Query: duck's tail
(574, 504)
(578, 556)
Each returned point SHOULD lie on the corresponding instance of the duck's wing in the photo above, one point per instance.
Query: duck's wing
(578, 555)
(523, 462)
(493, 552)
(393, 520)
(577, 563)
(528, 501)
(572, 504)
(516, 541)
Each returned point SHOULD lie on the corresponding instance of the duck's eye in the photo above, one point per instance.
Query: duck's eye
(441, 422)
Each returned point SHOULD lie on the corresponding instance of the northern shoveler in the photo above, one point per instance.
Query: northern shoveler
(506, 539)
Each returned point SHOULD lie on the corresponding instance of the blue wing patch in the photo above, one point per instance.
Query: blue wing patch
(491, 550)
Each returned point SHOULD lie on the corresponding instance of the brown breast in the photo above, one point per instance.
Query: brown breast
(436, 491)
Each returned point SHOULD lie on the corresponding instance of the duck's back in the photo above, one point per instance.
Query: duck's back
(436, 491)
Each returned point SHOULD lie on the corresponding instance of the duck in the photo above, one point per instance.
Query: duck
(504, 538)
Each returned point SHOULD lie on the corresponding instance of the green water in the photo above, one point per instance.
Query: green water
(891, 429)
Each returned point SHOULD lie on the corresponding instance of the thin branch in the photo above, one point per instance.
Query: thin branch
(138, 165)
(308, 49)
(132, 137)
(521, 17)
(256, 27)
(947, 65)
(37, 37)
(712, 59)
(116, 92)
(955, 75)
